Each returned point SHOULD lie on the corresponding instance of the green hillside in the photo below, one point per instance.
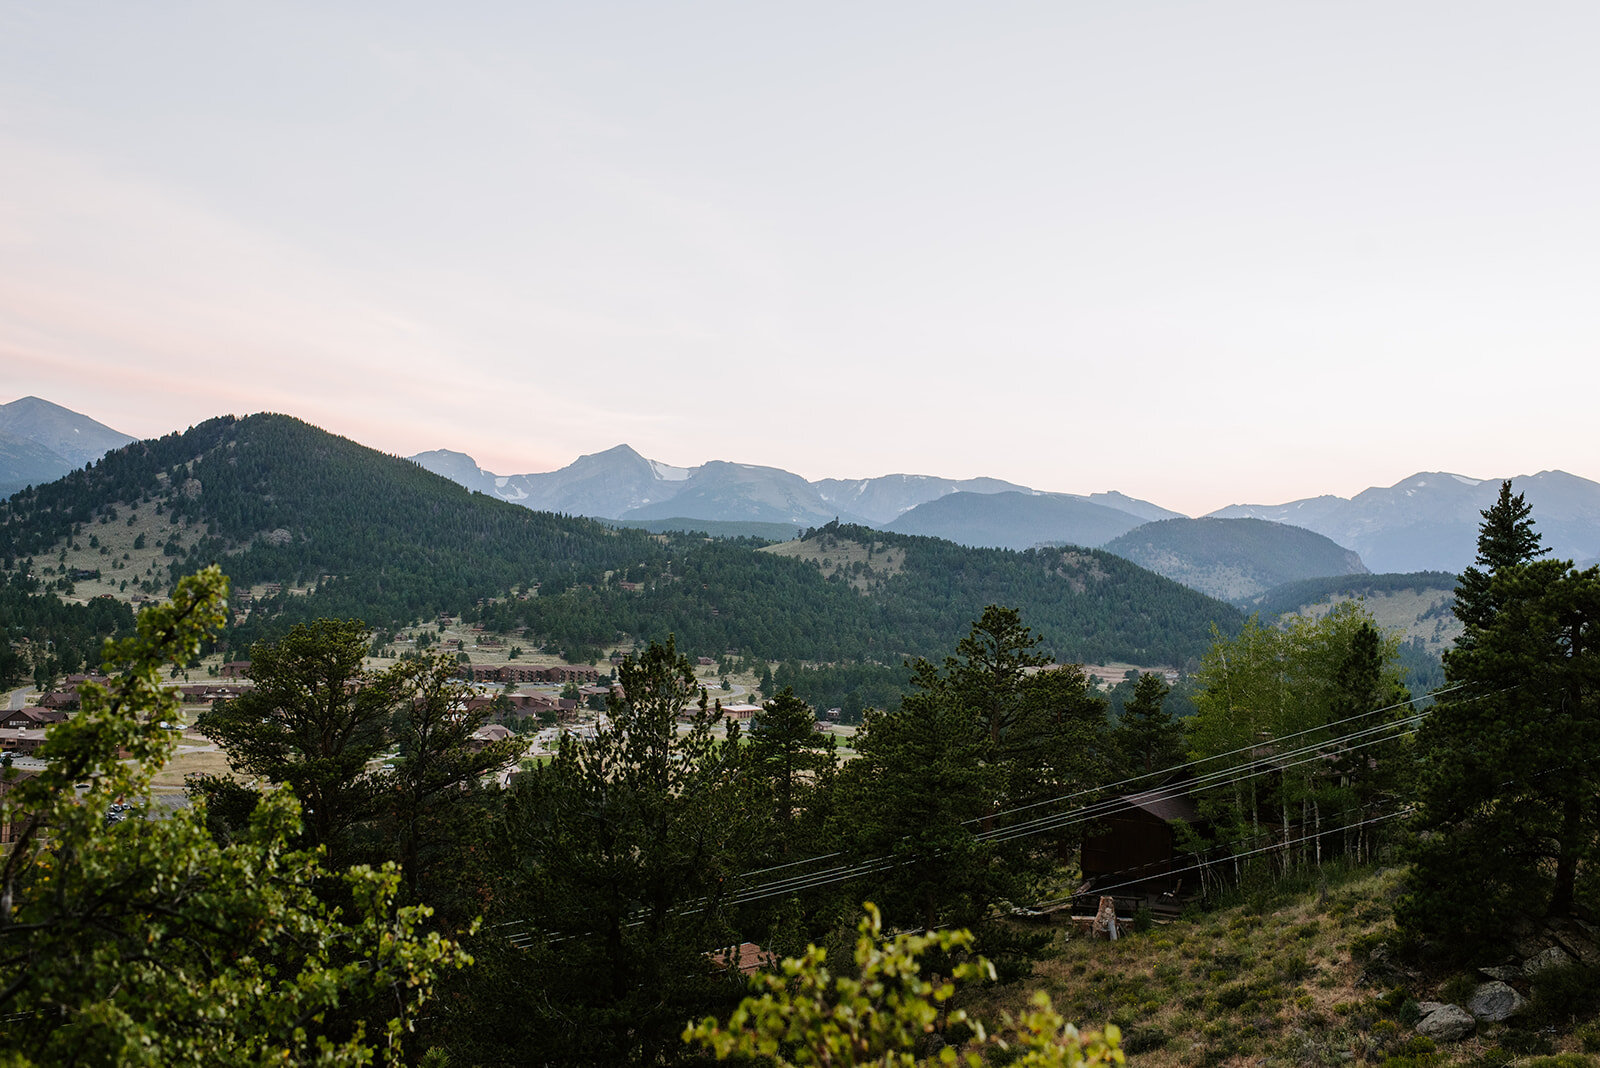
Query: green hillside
(1416, 605)
(794, 601)
(276, 500)
(1292, 596)
(350, 532)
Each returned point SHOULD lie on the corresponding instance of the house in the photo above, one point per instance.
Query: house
(23, 742)
(22, 719)
(1137, 851)
(235, 669)
(488, 735)
(740, 711)
(205, 693)
(564, 673)
(59, 701)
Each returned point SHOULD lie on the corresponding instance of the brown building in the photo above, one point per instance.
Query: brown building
(23, 742)
(1137, 852)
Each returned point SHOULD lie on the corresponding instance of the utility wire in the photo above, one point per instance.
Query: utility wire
(1223, 777)
(1276, 762)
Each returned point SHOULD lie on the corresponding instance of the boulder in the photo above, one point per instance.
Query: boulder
(1503, 972)
(1579, 945)
(1526, 946)
(1554, 957)
(1446, 1023)
(1495, 1002)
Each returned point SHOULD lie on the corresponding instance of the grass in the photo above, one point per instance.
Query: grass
(1282, 981)
(876, 562)
(207, 761)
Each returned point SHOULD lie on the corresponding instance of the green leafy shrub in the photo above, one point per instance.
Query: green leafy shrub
(1361, 946)
(883, 1011)
(1525, 1043)
(1391, 1000)
(1143, 1039)
(1232, 996)
(1458, 989)
(1565, 991)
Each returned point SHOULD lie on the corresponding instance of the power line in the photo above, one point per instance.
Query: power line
(1164, 773)
(1253, 852)
(1217, 779)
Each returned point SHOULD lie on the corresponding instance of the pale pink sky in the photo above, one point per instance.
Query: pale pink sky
(1202, 254)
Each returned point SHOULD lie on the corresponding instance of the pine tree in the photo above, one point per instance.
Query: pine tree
(1146, 735)
(1506, 538)
(621, 856)
(789, 754)
(1512, 748)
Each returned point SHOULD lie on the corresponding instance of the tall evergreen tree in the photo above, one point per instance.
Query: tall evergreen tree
(1512, 748)
(621, 856)
(1506, 538)
(1146, 736)
(790, 755)
(990, 732)
(314, 720)
(1512, 759)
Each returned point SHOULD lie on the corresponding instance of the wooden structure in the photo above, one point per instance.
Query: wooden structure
(1136, 855)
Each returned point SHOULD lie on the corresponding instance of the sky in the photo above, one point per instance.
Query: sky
(1203, 254)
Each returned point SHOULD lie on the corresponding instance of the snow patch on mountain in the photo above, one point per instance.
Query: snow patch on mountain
(669, 473)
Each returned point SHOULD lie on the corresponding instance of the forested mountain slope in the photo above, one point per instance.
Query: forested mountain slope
(812, 600)
(1417, 606)
(1234, 558)
(275, 500)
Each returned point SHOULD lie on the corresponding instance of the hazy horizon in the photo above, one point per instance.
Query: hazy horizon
(514, 471)
(1239, 253)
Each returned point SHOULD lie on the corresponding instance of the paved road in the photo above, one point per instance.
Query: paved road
(18, 698)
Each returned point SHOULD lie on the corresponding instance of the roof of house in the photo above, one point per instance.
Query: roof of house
(1165, 803)
(750, 958)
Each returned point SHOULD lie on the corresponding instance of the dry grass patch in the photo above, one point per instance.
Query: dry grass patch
(863, 565)
(210, 761)
(1242, 985)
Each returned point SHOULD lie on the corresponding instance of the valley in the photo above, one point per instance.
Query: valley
(1179, 650)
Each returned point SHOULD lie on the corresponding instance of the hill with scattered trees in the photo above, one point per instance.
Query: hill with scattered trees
(321, 526)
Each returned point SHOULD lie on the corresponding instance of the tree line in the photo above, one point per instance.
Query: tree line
(592, 893)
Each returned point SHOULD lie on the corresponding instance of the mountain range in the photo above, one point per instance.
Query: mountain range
(1427, 522)
(41, 441)
(619, 483)
(1234, 559)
